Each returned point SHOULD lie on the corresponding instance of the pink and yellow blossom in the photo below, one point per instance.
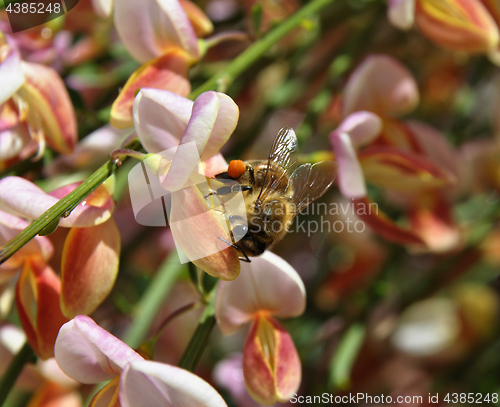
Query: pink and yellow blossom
(461, 25)
(407, 158)
(193, 133)
(91, 250)
(89, 354)
(35, 109)
(268, 287)
(163, 36)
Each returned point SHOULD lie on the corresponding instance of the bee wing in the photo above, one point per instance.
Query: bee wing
(310, 181)
(284, 145)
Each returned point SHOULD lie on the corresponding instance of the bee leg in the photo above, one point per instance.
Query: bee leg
(212, 192)
(232, 189)
(245, 259)
(246, 188)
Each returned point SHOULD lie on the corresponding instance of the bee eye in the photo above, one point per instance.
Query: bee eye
(239, 231)
(236, 168)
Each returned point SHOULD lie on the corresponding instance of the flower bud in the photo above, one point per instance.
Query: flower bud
(271, 365)
(462, 25)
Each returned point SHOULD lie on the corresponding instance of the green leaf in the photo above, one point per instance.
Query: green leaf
(345, 356)
(256, 16)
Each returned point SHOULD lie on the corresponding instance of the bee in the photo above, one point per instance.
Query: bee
(273, 195)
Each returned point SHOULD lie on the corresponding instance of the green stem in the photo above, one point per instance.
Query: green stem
(260, 47)
(151, 302)
(25, 355)
(199, 341)
(182, 310)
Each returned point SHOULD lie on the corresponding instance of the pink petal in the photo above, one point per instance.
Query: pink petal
(146, 191)
(400, 170)
(401, 13)
(12, 141)
(212, 122)
(88, 353)
(228, 374)
(149, 27)
(50, 108)
(160, 118)
(432, 220)
(381, 84)
(25, 199)
(51, 371)
(225, 123)
(196, 230)
(168, 72)
(155, 384)
(11, 226)
(37, 301)
(461, 25)
(271, 364)
(221, 10)
(384, 226)
(89, 267)
(11, 74)
(9, 116)
(184, 166)
(199, 20)
(268, 283)
(350, 175)
(214, 165)
(435, 145)
(362, 127)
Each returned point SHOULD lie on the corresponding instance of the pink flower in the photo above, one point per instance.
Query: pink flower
(161, 34)
(89, 354)
(91, 249)
(185, 138)
(382, 85)
(410, 158)
(267, 287)
(35, 109)
(37, 288)
(463, 25)
(49, 384)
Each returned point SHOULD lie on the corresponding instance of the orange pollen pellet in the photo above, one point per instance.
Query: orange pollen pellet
(236, 168)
